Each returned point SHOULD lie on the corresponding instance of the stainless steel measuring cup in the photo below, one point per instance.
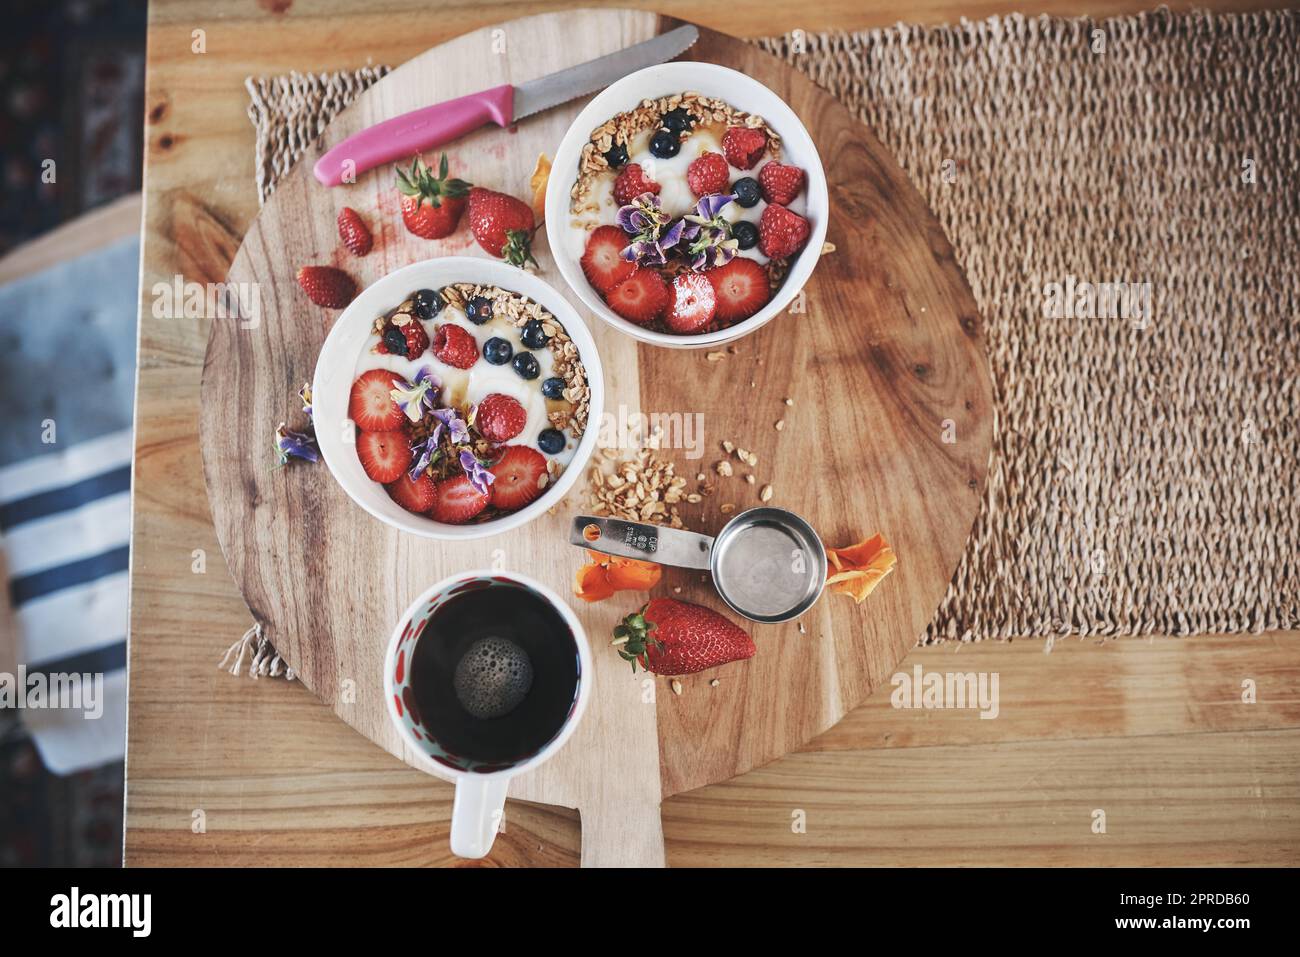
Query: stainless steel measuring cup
(767, 563)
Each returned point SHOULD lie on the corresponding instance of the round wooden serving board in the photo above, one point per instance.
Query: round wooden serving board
(886, 349)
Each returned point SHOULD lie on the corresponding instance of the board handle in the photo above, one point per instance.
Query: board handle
(667, 546)
(476, 813)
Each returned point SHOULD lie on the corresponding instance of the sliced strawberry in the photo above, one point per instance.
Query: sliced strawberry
(385, 456)
(414, 496)
(454, 346)
(499, 418)
(602, 263)
(708, 174)
(521, 476)
(631, 183)
(641, 297)
(743, 145)
(742, 288)
(371, 406)
(781, 233)
(456, 501)
(693, 303)
(780, 183)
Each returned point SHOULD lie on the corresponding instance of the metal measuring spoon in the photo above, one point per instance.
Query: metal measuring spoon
(767, 563)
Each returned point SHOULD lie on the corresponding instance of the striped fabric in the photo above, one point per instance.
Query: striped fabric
(65, 520)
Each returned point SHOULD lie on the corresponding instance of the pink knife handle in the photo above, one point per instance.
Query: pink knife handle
(413, 132)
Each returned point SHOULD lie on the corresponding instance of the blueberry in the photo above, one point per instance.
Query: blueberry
(427, 303)
(526, 365)
(678, 120)
(665, 144)
(745, 234)
(746, 191)
(478, 310)
(550, 441)
(616, 155)
(497, 351)
(395, 341)
(553, 388)
(533, 336)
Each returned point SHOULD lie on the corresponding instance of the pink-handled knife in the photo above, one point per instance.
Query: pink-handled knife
(423, 129)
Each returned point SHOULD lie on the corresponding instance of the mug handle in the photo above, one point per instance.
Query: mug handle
(654, 543)
(476, 813)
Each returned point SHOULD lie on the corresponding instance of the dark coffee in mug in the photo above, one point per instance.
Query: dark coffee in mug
(495, 674)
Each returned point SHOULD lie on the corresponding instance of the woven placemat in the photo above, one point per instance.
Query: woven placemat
(1144, 475)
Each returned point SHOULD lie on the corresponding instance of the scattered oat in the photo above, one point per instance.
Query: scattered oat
(677, 589)
(726, 508)
(676, 686)
(750, 478)
(699, 477)
(766, 494)
(714, 683)
(789, 401)
(827, 248)
(723, 468)
(728, 447)
(780, 424)
(715, 356)
(802, 629)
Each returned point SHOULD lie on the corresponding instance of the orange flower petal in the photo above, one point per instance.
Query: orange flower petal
(628, 574)
(592, 583)
(537, 185)
(857, 569)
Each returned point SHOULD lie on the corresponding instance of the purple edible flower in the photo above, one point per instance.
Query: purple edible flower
(459, 430)
(290, 444)
(418, 396)
(478, 476)
(305, 394)
(652, 233)
(708, 233)
(425, 453)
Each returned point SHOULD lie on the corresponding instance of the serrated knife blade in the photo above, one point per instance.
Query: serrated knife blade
(548, 91)
(412, 133)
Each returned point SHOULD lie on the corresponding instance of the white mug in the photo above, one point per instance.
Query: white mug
(445, 738)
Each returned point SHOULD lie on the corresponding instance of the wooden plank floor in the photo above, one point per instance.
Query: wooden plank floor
(235, 772)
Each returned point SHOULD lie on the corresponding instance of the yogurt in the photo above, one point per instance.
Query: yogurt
(470, 386)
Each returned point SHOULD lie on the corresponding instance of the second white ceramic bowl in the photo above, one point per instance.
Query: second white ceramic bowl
(742, 92)
(336, 371)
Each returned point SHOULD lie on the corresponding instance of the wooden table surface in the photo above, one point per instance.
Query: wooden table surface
(225, 771)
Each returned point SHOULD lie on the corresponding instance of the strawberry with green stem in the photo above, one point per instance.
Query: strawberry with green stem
(431, 205)
(671, 637)
(503, 225)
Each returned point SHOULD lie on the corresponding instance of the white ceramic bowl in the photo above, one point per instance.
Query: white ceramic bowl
(336, 368)
(740, 91)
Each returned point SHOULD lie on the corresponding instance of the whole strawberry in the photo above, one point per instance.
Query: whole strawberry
(502, 225)
(781, 233)
(327, 286)
(354, 232)
(671, 637)
(431, 205)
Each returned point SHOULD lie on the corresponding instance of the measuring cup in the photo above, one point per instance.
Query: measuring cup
(767, 563)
